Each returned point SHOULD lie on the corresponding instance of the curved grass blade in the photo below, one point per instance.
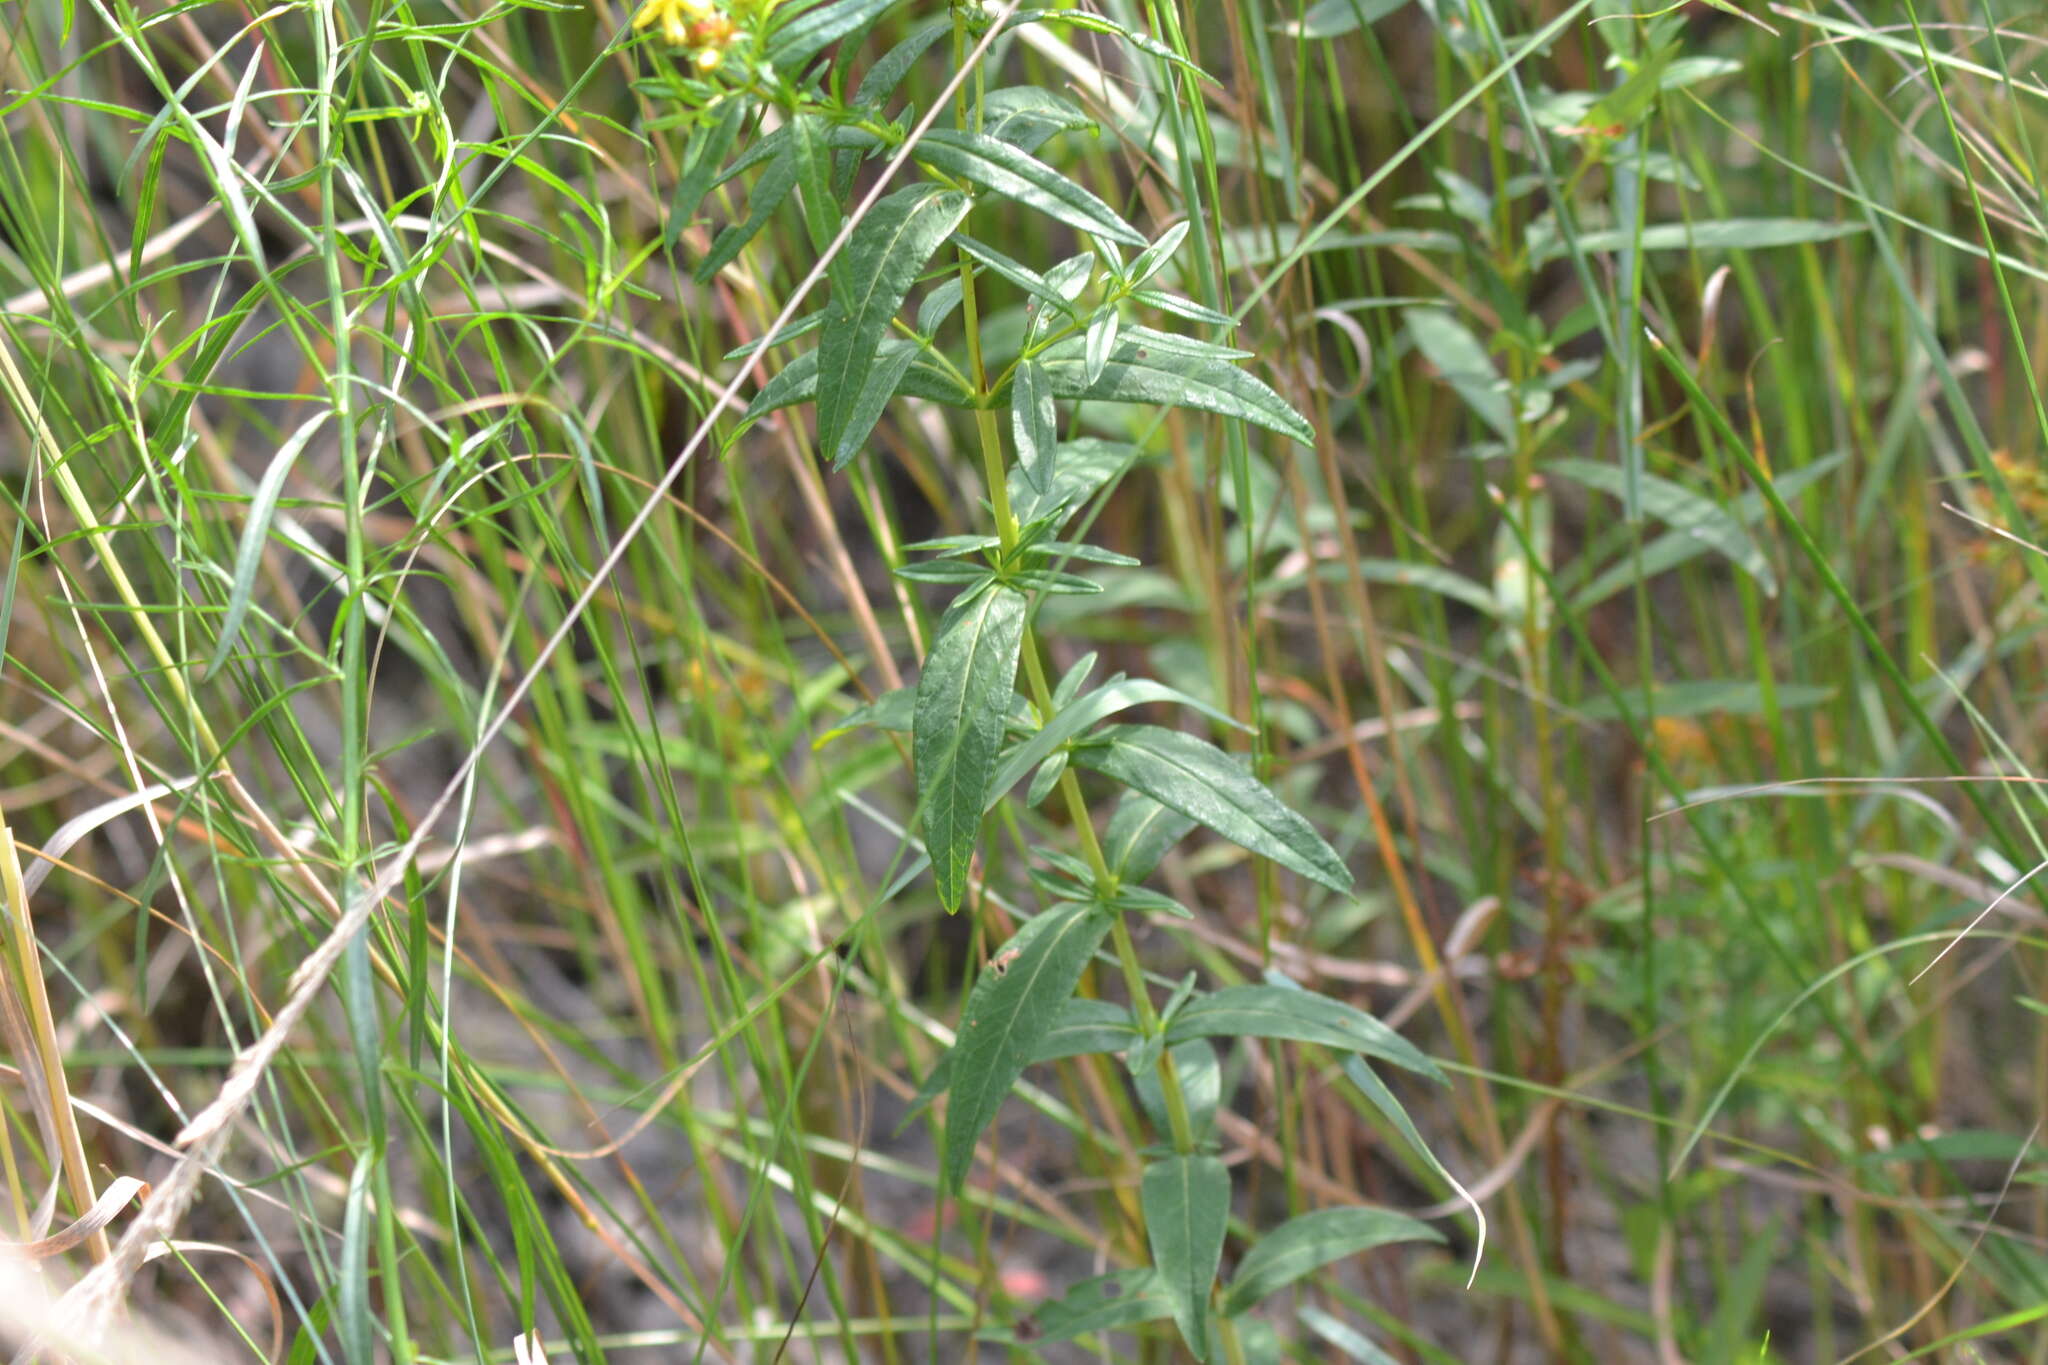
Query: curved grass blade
(255, 531)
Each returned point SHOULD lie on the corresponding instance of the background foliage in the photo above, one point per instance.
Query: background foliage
(1651, 628)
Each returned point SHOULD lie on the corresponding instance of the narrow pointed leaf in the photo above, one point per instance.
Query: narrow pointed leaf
(811, 32)
(939, 304)
(1143, 370)
(1346, 1338)
(1306, 1244)
(882, 382)
(1201, 1087)
(1008, 1015)
(1140, 831)
(1298, 1016)
(1181, 306)
(708, 147)
(1462, 361)
(1673, 548)
(1080, 468)
(922, 377)
(1082, 715)
(888, 72)
(869, 282)
(1080, 1027)
(1683, 510)
(1017, 175)
(1044, 780)
(814, 179)
(1027, 116)
(962, 697)
(1202, 782)
(1034, 423)
(1186, 1200)
(1119, 1299)
(890, 711)
(1099, 344)
(1153, 258)
(768, 192)
(1026, 279)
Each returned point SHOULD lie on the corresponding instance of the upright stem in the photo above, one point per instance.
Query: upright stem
(996, 475)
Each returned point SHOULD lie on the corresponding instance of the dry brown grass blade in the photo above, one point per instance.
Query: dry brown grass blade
(28, 1006)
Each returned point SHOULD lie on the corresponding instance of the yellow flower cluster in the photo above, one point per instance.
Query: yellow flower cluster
(704, 29)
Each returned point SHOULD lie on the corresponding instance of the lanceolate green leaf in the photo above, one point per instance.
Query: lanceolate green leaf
(921, 377)
(1080, 468)
(814, 179)
(1026, 116)
(1080, 1027)
(869, 282)
(1683, 510)
(1676, 547)
(1140, 831)
(769, 190)
(1140, 370)
(962, 697)
(1331, 18)
(1710, 696)
(1119, 694)
(884, 380)
(1119, 1299)
(1461, 359)
(884, 76)
(708, 147)
(1008, 1013)
(1186, 1201)
(890, 711)
(1017, 175)
(1202, 782)
(1305, 1244)
(1298, 1016)
(811, 32)
(1201, 1087)
(1034, 423)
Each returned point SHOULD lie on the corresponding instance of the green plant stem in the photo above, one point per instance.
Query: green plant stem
(995, 474)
